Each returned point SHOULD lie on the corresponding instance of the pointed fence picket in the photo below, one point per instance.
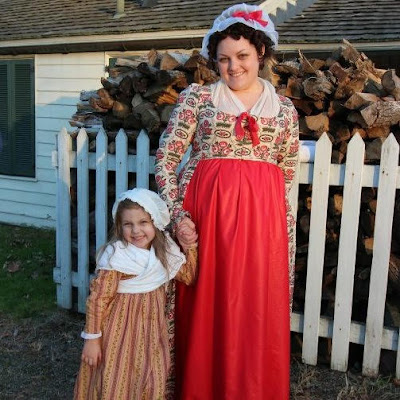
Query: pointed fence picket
(315, 169)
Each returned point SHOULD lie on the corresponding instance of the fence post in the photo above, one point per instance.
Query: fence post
(63, 223)
(101, 207)
(347, 253)
(381, 254)
(121, 163)
(316, 249)
(82, 150)
(142, 160)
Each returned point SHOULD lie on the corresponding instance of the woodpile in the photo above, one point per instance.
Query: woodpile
(139, 94)
(342, 95)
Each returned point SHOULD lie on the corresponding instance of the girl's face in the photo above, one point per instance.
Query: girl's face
(137, 227)
(238, 63)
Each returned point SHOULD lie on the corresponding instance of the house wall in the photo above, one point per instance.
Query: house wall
(59, 78)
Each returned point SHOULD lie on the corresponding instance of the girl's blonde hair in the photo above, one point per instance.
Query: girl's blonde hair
(159, 242)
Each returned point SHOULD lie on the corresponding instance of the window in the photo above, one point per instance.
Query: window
(17, 122)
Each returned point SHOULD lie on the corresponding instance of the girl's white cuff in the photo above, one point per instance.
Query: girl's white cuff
(85, 335)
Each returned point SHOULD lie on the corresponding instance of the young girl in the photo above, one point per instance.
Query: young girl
(126, 352)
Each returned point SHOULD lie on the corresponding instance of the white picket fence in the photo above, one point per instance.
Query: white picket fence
(315, 168)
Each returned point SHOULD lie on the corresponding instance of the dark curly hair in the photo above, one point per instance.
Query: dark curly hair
(257, 38)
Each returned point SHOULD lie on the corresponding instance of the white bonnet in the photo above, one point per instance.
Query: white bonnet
(150, 201)
(252, 16)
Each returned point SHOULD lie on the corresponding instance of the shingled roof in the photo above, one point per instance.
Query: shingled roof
(90, 25)
(328, 21)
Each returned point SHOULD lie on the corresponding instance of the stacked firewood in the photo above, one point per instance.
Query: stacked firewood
(140, 94)
(342, 95)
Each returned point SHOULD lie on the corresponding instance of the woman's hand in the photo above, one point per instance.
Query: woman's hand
(91, 353)
(186, 233)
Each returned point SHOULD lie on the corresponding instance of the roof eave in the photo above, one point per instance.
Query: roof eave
(121, 42)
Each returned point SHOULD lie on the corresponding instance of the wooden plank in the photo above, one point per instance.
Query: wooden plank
(101, 188)
(70, 71)
(82, 148)
(22, 186)
(63, 225)
(25, 210)
(71, 59)
(31, 198)
(381, 254)
(46, 137)
(68, 85)
(55, 111)
(316, 249)
(121, 163)
(357, 331)
(142, 160)
(44, 97)
(15, 219)
(347, 254)
(51, 124)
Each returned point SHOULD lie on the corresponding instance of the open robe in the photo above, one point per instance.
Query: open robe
(232, 327)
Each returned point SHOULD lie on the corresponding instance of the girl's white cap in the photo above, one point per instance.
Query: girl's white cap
(252, 16)
(150, 201)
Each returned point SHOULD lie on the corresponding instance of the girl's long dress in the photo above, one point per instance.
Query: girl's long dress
(135, 339)
(232, 327)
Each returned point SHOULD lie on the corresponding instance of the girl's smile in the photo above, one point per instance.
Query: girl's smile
(137, 227)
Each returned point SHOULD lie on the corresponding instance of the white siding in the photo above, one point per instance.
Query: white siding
(59, 78)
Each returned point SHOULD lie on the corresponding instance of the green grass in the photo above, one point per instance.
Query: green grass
(27, 259)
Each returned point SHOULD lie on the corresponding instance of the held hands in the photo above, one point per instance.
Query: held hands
(186, 233)
(91, 353)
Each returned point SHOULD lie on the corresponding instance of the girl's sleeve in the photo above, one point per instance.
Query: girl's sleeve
(102, 292)
(288, 156)
(188, 272)
(174, 142)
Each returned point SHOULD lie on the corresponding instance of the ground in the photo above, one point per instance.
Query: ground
(39, 359)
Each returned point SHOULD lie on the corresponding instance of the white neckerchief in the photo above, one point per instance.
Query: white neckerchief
(132, 260)
(225, 100)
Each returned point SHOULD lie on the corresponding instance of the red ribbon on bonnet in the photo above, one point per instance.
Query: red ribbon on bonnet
(252, 127)
(252, 16)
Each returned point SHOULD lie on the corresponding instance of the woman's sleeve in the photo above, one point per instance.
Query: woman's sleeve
(188, 272)
(102, 292)
(288, 156)
(174, 142)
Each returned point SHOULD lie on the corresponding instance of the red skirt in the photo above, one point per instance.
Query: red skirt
(232, 327)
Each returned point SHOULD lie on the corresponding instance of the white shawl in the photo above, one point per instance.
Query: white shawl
(147, 268)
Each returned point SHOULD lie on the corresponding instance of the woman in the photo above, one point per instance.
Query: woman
(232, 328)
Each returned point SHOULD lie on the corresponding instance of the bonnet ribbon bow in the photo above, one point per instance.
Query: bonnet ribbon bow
(251, 16)
(251, 126)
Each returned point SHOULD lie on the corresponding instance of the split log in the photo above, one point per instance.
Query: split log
(294, 88)
(120, 110)
(373, 150)
(290, 67)
(317, 88)
(154, 58)
(391, 83)
(173, 60)
(382, 113)
(378, 132)
(358, 100)
(318, 123)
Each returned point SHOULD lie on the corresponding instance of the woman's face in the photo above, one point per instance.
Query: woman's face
(238, 63)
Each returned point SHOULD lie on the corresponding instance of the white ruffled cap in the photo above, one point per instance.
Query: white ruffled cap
(150, 201)
(227, 19)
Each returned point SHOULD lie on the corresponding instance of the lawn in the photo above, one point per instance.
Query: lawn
(27, 259)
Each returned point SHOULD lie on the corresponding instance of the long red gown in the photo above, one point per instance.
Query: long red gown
(233, 326)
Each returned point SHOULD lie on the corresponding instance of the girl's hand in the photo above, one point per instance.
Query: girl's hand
(91, 353)
(186, 233)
